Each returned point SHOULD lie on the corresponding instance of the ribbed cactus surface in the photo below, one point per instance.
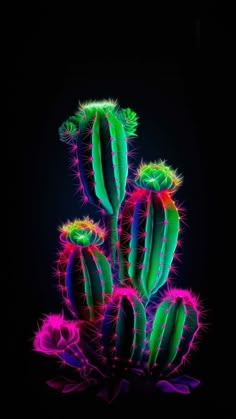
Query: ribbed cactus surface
(149, 229)
(124, 327)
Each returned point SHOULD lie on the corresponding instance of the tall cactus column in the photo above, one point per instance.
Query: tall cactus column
(99, 134)
(150, 228)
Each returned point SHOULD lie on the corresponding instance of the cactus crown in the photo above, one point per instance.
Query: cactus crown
(101, 105)
(158, 176)
(83, 232)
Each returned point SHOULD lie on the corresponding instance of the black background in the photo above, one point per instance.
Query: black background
(176, 76)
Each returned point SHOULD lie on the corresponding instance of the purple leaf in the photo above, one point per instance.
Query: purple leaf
(168, 387)
(187, 380)
(76, 387)
(64, 385)
(58, 383)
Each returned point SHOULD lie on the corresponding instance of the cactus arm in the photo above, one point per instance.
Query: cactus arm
(69, 283)
(119, 154)
(93, 277)
(104, 270)
(85, 164)
(189, 332)
(171, 234)
(125, 236)
(97, 165)
(80, 269)
(157, 333)
(88, 292)
(139, 331)
(157, 244)
(108, 330)
(177, 333)
(147, 243)
(134, 269)
(112, 226)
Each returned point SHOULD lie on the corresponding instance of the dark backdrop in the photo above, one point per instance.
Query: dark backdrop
(176, 92)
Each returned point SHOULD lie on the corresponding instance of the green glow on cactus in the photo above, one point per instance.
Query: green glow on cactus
(157, 176)
(94, 105)
(109, 150)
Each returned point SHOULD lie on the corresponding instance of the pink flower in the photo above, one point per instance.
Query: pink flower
(56, 335)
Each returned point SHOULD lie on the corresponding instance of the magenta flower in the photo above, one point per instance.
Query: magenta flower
(56, 335)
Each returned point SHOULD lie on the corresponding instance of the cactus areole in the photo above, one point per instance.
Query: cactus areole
(124, 324)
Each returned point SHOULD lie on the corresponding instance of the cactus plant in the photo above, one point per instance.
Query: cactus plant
(149, 228)
(122, 327)
(99, 133)
(83, 270)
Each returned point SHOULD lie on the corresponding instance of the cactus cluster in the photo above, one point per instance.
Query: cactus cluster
(122, 328)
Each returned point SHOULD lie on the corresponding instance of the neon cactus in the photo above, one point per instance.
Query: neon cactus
(149, 228)
(83, 270)
(99, 133)
(123, 329)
